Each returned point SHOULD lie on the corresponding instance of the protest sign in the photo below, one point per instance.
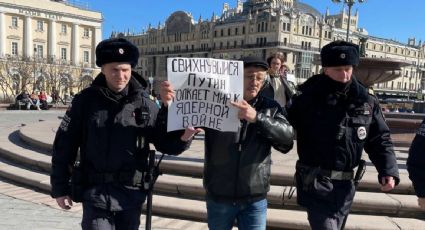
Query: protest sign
(203, 89)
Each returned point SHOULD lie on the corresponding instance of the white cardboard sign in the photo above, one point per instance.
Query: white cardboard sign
(203, 89)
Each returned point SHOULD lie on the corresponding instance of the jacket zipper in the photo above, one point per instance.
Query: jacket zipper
(242, 136)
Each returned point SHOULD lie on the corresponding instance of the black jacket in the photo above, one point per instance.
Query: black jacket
(237, 165)
(416, 161)
(333, 128)
(104, 127)
(269, 91)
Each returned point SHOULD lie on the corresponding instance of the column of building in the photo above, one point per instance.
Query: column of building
(27, 37)
(52, 40)
(97, 38)
(75, 58)
(2, 35)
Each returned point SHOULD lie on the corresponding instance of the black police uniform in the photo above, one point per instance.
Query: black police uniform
(104, 126)
(333, 128)
(416, 161)
(334, 122)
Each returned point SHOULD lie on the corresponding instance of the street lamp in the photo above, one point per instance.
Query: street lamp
(151, 83)
(350, 4)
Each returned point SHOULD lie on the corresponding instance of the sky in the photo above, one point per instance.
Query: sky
(391, 19)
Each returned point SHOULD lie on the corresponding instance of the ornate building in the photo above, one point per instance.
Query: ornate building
(46, 45)
(261, 27)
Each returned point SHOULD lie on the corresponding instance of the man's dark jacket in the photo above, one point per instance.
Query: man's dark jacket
(104, 127)
(321, 113)
(416, 161)
(237, 165)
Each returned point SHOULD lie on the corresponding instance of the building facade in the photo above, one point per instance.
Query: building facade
(47, 45)
(262, 27)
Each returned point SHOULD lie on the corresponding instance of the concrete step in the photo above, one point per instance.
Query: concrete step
(181, 192)
(190, 164)
(365, 202)
(280, 197)
(13, 149)
(285, 175)
(180, 186)
(196, 210)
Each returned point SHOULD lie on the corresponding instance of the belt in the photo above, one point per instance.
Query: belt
(332, 174)
(105, 178)
(337, 175)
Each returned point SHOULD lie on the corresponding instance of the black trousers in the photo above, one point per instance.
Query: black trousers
(327, 203)
(100, 219)
(321, 221)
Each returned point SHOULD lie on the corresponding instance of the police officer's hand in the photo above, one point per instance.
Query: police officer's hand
(166, 92)
(189, 133)
(387, 183)
(246, 112)
(421, 202)
(62, 202)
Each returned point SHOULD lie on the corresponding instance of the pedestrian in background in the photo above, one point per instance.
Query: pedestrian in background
(416, 163)
(277, 86)
(335, 118)
(237, 165)
(99, 135)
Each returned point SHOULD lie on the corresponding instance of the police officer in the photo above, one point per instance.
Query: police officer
(335, 119)
(415, 164)
(98, 135)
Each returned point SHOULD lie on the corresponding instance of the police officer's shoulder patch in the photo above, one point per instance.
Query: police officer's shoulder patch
(421, 130)
(370, 91)
(367, 109)
(65, 122)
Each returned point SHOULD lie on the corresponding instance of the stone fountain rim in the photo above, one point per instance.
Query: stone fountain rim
(382, 62)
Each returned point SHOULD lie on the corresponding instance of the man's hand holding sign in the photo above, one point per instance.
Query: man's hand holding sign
(199, 91)
(167, 95)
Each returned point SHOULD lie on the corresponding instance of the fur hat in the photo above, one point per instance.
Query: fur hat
(340, 53)
(116, 50)
(254, 61)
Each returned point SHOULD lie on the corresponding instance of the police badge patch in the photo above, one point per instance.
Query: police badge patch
(65, 122)
(361, 133)
(421, 130)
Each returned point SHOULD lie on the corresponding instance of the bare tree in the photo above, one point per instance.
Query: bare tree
(17, 74)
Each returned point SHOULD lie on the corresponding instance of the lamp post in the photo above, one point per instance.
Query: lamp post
(151, 83)
(350, 4)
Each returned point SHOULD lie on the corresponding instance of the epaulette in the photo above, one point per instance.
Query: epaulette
(371, 91)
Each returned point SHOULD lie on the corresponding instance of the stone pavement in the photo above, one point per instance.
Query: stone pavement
(24, 208)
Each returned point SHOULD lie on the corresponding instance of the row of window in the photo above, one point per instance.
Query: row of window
(205, 46)
(400, 86)
(40, 27)
(307, 30)
(389, 49)
(39, 51)
(236, 31)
